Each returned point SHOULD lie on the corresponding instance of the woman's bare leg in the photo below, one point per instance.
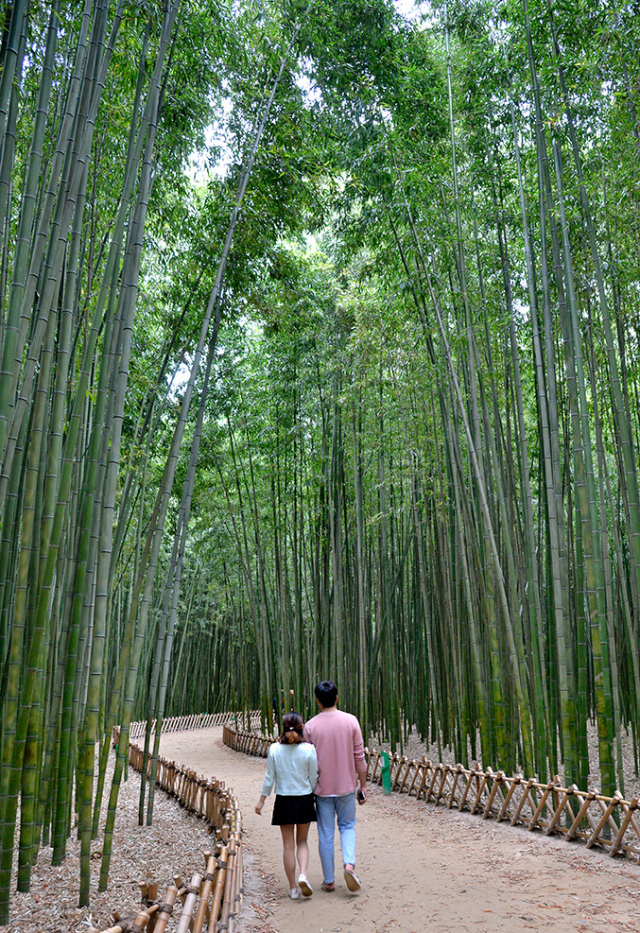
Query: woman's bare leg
(302, 832)
(289, 853)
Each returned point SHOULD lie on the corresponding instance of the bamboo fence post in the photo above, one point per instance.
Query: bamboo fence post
(526, 788)
(165, 909)
(207, 886)
(182, 891)
(228, 888)
(514, 782)
(375, 758)
(625, 823)
(604, 820)
(424, 767)
(431, 783)
(495, 790)
(192, 894)
(399, 775)
(416, 772)
(559, 810)
(479, 791)
(237, 888)
(573, 829)
(457, 773)
(603, 803)
(218, 889)
(152, 905)
(472, 774)
(443, 770)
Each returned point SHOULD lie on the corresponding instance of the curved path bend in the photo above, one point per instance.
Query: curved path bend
(423, 868)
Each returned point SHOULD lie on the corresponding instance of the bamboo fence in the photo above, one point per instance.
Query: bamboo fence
(249, 743)
(610, 823)
(210, 901)
(193, 721)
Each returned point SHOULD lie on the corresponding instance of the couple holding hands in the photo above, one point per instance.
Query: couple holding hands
(316, 769)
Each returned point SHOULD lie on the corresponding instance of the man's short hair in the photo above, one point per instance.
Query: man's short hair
(326, 693)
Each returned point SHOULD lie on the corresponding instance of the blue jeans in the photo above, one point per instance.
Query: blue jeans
(327, 809)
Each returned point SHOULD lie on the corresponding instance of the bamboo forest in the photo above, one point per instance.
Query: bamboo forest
(320, 358)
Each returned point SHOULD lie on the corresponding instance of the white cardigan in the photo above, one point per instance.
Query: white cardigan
(292, 768)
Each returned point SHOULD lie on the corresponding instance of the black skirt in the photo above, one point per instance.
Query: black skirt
(287, 810)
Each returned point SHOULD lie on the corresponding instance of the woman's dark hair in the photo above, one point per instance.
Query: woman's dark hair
(292, 726)
(326, 693)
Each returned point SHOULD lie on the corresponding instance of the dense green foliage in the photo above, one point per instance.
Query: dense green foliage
(361, 403)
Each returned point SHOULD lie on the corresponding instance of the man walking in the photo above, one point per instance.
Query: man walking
(341, 767)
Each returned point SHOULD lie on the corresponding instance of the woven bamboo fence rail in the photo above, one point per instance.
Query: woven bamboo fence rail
(611, 823)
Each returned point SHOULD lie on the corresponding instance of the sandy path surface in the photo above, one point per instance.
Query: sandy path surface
(421, 867)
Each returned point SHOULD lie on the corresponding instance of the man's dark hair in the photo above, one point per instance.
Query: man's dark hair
(326, 693)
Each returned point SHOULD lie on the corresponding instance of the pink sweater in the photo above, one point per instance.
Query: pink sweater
(340, 749)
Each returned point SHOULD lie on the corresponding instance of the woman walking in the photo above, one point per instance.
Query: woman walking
(292, 767)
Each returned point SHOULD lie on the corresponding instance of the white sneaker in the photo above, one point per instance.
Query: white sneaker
(352, 880)
(305, 887)
(294, 894)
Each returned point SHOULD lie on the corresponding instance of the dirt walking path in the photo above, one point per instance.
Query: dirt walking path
(422, 868)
